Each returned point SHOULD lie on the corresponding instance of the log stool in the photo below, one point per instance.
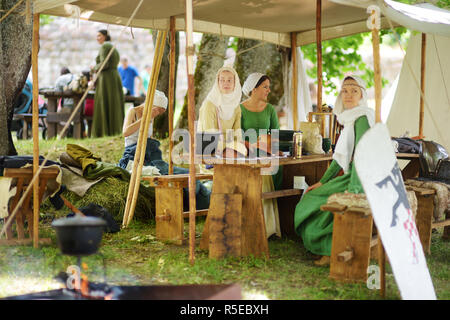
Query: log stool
(351, 242)
(169, 205)
(24, 176)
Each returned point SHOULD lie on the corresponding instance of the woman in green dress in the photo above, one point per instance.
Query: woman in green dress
(314, 226)
(258, 116)
(109, 109)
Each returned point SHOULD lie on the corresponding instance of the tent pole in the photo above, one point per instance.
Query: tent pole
(35, 126)
(377, 72)
(191, 120)
(294, 78)
(377, 80)
(422, 83)
(142, 140)
(319, 61)
(171, 89)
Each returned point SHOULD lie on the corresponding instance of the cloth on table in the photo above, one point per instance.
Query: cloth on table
(146, 170)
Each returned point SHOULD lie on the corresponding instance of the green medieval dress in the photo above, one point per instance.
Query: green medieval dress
(313, 225)
(109, 111)
(264, 120)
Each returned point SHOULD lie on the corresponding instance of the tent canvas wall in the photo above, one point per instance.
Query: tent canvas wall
(404, 113)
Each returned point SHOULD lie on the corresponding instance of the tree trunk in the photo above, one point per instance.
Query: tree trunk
(264, 58)
(161, 123)
(15, 63)
(210, 59)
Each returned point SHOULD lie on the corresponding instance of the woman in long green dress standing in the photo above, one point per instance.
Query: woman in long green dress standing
(109, 111)
(313, 225)
(258, 114)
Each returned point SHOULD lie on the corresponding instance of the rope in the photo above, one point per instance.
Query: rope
(30, 186)
(11, 10)
(440, 68)
(415, 79)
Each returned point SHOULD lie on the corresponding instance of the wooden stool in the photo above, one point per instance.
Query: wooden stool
(424, 218)
(24, 176)
(169, 205)
(352, 241)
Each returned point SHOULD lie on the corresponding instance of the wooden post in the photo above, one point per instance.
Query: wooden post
(142, 139)
(319, 61)
(422, 83)
(171, 89)
(34, 225)
(191, 120)
(376, 66)
(294, 79)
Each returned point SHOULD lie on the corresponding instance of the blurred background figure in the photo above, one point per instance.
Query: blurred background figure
(146, 78)
(129, 75)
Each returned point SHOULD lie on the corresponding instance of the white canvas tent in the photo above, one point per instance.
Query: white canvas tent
(404, 113)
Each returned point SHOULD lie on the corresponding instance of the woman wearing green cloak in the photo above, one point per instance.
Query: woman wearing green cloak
(314, 226)
(109, 109)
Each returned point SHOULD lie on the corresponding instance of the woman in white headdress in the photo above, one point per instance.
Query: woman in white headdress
(314, 226)
(220, 112)
(153, 155)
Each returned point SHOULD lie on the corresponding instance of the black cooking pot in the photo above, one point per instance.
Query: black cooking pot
(79, 236)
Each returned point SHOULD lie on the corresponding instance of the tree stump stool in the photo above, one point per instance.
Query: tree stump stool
(169, 205)
(351, 242)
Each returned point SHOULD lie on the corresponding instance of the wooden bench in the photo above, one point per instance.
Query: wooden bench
(24, 176)
(351, 242)
(424, 218)
(169, 205)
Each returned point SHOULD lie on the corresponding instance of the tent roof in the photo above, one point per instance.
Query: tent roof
(268, 20)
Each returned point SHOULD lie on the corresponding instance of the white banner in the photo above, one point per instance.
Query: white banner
(380, 175)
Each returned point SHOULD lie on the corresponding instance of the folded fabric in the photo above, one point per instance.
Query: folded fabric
(82, 155)
(73, 179)
(146, 170)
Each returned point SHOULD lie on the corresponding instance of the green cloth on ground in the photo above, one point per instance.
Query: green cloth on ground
(264, 120)
(314, 225)
(109, 108)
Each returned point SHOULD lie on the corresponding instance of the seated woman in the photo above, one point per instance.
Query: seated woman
(153, 155)
(220, 112)
(259, 116)
(313, 225)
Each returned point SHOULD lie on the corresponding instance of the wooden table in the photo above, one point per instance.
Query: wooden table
(412, 168)
(54, 117)
(236, 203)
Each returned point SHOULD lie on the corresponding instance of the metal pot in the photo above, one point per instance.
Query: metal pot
(79, 236)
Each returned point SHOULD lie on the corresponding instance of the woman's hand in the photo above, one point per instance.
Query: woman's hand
(314, 186)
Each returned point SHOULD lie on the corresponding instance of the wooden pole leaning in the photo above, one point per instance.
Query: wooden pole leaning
(35, 125)
(422, 82)
(171, 89)
(143, 130)
(319, 62)
(191, 120)
(294, 79)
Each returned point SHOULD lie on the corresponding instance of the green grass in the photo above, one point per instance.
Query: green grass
(134, 257)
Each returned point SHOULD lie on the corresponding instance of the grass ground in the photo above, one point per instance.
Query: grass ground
(134, 257)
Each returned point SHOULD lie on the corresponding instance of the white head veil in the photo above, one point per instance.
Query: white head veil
(344, 147)
(225, 103)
